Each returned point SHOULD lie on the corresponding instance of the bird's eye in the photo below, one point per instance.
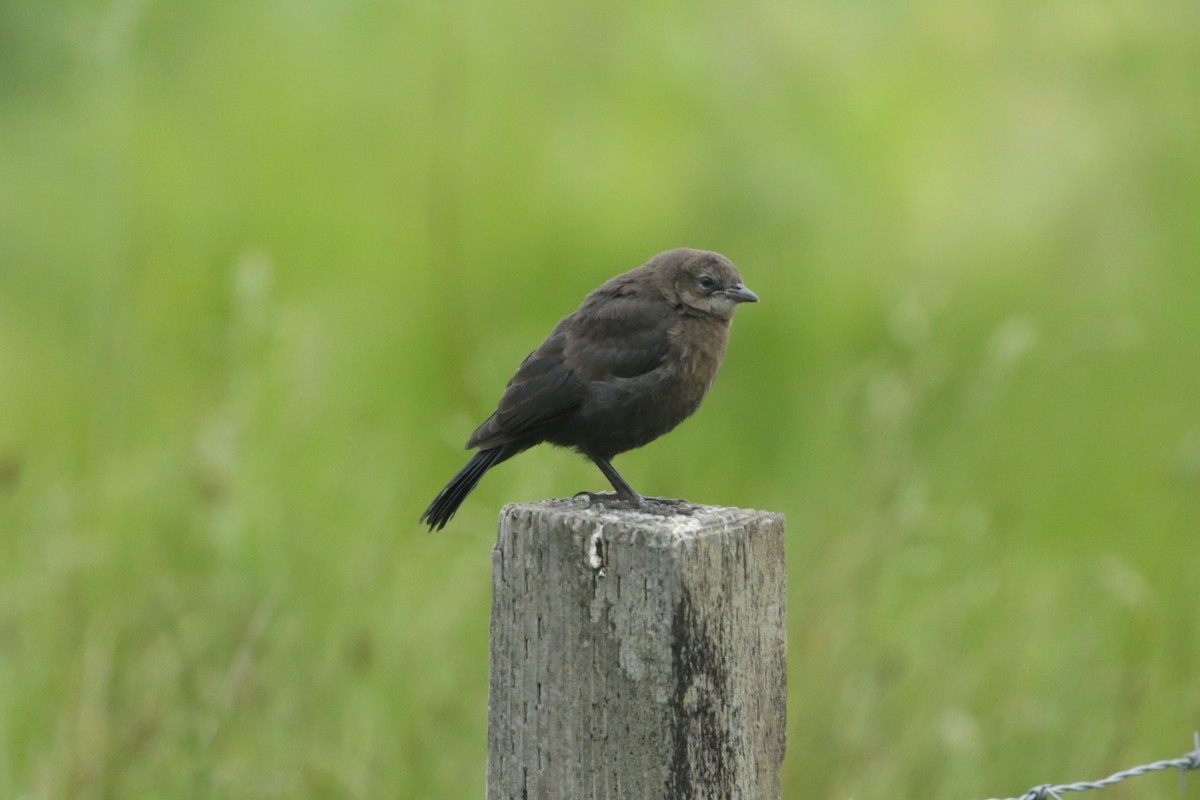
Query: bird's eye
(706, 282)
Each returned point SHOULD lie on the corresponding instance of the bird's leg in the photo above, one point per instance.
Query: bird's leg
(625, 492)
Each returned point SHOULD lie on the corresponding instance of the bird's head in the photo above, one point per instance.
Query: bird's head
(705, 282)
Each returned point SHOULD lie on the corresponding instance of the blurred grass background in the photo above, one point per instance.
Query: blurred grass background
(264, 265)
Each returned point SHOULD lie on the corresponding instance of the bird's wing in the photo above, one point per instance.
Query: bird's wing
(617, 333)
(543, 390)
(620, 333)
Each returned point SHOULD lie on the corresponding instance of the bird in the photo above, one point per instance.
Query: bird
(631, 363)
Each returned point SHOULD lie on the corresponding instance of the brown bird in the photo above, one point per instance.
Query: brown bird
(630, 364)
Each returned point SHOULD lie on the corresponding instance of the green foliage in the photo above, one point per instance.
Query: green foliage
(264, 265)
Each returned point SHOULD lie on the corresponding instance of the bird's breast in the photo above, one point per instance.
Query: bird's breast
(701, 344)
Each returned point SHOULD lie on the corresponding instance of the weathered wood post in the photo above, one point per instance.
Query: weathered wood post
(636, 656)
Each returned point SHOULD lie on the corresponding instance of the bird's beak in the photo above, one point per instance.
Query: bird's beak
(740, 294)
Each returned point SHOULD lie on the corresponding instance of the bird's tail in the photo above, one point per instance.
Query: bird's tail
(451, 497)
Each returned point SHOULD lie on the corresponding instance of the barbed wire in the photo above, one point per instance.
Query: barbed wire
(1188, 761)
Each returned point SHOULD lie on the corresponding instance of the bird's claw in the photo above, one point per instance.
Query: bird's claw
(665, 506)
(668, 506)
(609, 500)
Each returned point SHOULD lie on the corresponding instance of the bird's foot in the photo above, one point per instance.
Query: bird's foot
(668, 506)
(609, 499)
(665, 506)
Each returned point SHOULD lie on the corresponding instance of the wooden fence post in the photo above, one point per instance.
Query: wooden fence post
(636, 656)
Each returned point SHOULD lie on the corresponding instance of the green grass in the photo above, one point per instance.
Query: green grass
(264, 266)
